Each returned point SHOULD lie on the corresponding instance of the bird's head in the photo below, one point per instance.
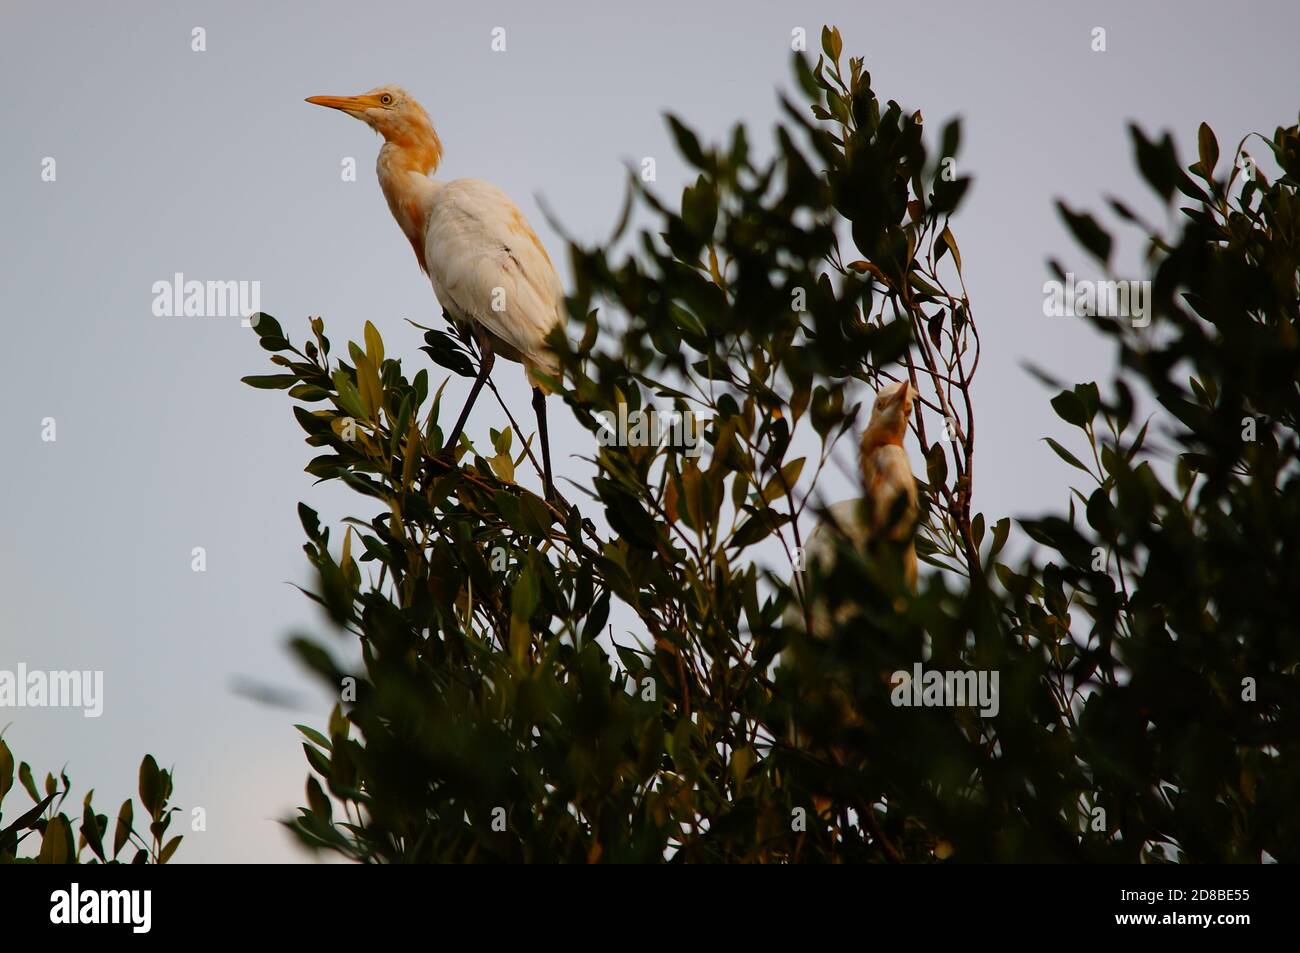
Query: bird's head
(392, 112)
(890, 413)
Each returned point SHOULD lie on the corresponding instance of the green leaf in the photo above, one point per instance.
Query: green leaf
(125, 820)
(1087, 232)
(151, 786)
(1156, 161)
(28, 821)
(91, 832)
(503, 466)
(318, 801)
(1069, 407)
(936, 465)
(310, 521)
(596, 618)
(787, 478)
(56, 845)
(1066, 455)
(1089, 398)
(271, 381)
(525, 595)
(265, 326)
(6, 769)
(1208, 146)
(319, 763)
(169, 849)
(688, 144)
(349, 396)
(27, 781)
(1138, 441)
(1001, 530)
(372, 391)
(951, 242)
(308, 392)
(442, 348)
(374, 345)
(831, 42)
(315, 736)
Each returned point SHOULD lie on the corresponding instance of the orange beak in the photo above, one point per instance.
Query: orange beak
(347, 104)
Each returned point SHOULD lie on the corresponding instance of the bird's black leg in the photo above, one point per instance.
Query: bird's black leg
(485, 368)
(539, 408)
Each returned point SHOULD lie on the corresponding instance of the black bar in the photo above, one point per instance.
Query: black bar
(335, 903)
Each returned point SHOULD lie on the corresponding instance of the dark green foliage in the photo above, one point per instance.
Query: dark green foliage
(44, 833)
(490, 723)
(1189, 729)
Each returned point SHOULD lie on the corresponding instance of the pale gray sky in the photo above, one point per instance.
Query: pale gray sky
(209, 163)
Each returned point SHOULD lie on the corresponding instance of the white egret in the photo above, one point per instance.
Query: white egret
(487, 266)
(888, 509)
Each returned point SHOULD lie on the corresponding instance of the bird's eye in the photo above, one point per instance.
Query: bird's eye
(386, 99)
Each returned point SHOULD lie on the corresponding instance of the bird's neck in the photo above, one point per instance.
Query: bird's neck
(884, 434)
(404, 168)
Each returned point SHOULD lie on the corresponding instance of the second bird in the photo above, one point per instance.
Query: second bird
(487, 266)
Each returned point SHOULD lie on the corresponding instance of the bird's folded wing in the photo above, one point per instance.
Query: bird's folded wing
(892, 490)
(485, 258)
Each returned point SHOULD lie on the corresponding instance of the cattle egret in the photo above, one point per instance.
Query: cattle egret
(487, 266)
(888, 511)
(887, 476)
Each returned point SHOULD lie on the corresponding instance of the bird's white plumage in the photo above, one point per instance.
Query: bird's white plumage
(891, 489)
(487, 266)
